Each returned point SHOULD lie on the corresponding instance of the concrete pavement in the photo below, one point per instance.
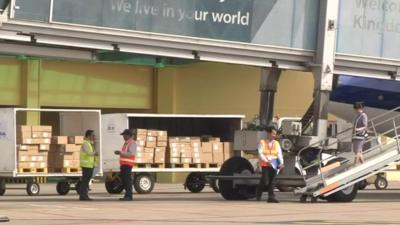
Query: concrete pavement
(170, 204)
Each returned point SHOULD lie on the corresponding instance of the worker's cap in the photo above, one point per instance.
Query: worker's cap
(127, 132)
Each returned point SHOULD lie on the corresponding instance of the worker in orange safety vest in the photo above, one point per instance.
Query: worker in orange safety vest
(271, 161)
(127, 161)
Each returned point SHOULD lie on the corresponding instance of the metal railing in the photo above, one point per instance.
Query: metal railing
(324, 145)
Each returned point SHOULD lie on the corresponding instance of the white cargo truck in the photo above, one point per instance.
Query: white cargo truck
(222, 126)
(64, 122)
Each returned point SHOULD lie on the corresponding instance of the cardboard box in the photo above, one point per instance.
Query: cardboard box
(195, 144)
(159, 155)
(149, 150)
(196, 149)
(139, 149)
(70, 164)
(141, 132)
(196, 155)
(40, 134)
(206, 157)
(61, 140)
(151, 139)
(160, 150)
(174, 154)
(174, 160)
(28, 149)
(141, 138)
(24, 134)
(151, 144)
(152, 133)
(184, 139)
(217, 147)
(218, 157)
(197, 160)
(44, 147)
(214, 139)
(186, 160)
(162, 136)
(145, 155)
(78, 140)
(141, 143)
(144, 160)
(68, 156)
(27, 165)
(206, 147)
(228, 150)
(65, 148)
(186, 154)
(41, 129)
(162, 144)
(24, 129)
(173, 140)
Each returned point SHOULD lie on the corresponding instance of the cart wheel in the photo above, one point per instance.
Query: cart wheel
(381, 183)
(214, 185)
(114, 185)
(195, 182)
(78, 186)
(2, 187)
(143, 183)
(362, 184)
(32, 188)
(63, 187)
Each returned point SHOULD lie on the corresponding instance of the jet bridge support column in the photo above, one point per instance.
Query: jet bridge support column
(268, 87)
(324, 65)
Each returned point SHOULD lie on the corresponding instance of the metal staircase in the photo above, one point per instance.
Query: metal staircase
(324, 177)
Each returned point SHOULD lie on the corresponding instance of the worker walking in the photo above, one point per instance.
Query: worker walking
(271, 160)
(87, 162)
(360, 131)
(126, 161)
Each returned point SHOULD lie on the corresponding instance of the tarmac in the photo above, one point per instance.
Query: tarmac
(169, 204)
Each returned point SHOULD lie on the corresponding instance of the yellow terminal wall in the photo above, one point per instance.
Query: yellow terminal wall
(10, 82)
(66, 84)
(215, 88)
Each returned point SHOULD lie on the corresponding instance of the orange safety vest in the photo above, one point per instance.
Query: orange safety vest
(270, 152)
(127, 161)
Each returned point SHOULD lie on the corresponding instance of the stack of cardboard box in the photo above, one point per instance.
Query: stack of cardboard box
(65, 152)
(151, 146)
(187, 150)
(32, 147)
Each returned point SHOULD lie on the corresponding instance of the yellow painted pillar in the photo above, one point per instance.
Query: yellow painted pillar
(166, 88)
(31, 90)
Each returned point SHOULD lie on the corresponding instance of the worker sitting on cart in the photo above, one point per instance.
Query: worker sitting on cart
(126, 161)
(87, 162)
(271, 160)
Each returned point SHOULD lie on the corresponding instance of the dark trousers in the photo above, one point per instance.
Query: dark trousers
(268, 174)
(87, 174)
(126, 176)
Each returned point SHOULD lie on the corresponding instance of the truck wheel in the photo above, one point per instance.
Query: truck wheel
(2, 187)
(362, 184)
(63, 187)
(346, 195)
(236, 165)
(214, 185)
(114, 185)
(195, 182)
(32, 188)
(381, 183)
(143, 183)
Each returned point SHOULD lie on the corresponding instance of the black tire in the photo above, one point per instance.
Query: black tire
(63, 187)
(362, 184)
(283, 188)
(32, 188)
(143, 183)
(195, 182)
(346, 195)
(114, 185)
(227, 190)
(214, 185)
(381, 183)
(2, 187)
(78, 187)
